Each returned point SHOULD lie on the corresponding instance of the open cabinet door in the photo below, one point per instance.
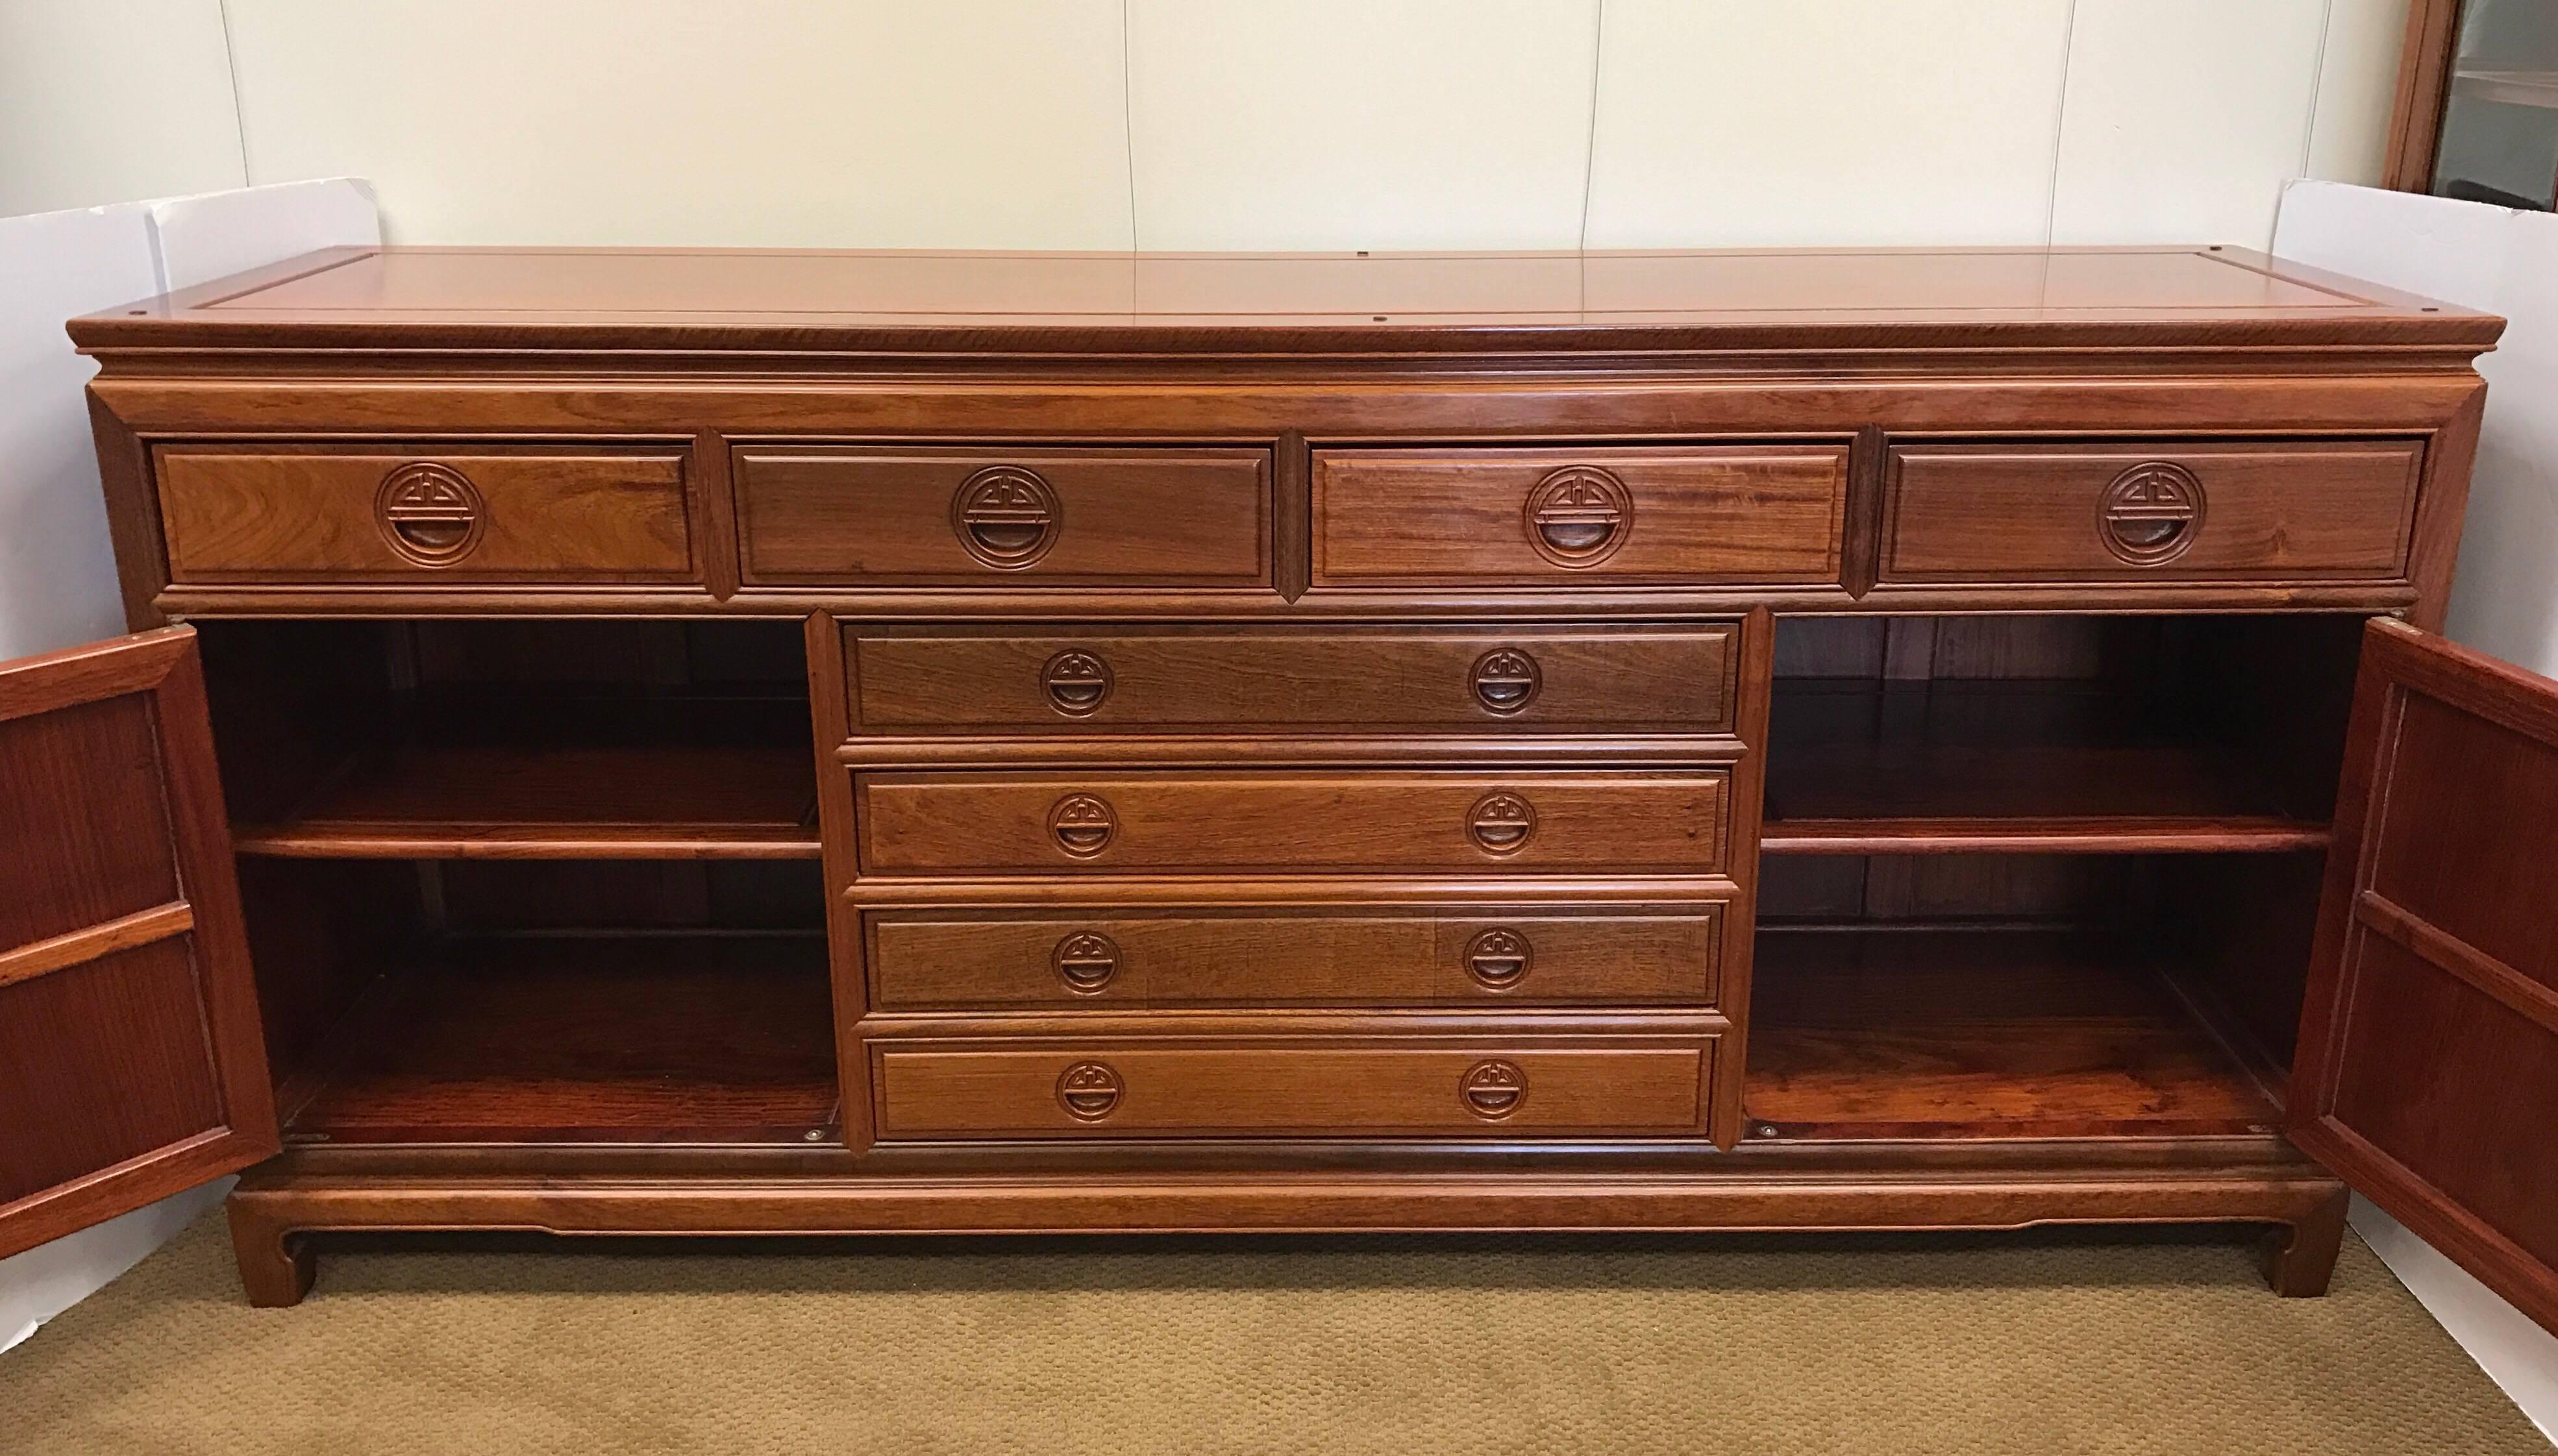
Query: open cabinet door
(131, 1062)
(2426, 1074)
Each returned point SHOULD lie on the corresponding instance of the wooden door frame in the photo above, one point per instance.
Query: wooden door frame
(2398, 661)
(2424, 89)
(162, 665)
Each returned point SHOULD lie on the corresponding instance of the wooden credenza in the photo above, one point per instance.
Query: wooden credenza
(782, 743)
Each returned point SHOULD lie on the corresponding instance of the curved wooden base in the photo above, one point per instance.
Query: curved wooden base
(1763, 1188)
(276, 1265)
(2301, 1259)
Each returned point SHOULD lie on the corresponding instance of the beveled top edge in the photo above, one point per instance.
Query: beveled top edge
(746, 301)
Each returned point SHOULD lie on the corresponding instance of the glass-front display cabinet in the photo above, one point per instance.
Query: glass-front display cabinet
(2478, 102)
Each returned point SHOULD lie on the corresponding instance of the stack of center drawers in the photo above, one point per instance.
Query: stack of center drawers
(1325, 878)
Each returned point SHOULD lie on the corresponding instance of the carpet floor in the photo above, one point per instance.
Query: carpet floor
(1591, 1346)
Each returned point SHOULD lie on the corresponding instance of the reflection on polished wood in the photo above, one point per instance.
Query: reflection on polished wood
(1970, 1034)
(537, 290)
(582, 1039)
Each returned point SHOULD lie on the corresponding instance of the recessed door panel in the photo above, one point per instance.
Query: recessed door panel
(2428, 1066)
(131, 1062)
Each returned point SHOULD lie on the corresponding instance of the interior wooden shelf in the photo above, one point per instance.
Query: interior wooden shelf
(722, 778)
(1890, 1032)
(600, 1037)
(1859, 767)
(2514, 87)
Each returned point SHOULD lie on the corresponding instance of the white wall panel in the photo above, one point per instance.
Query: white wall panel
(962, 123)
(2184, 118)
(1360, 123)
(113, 102)
(2356, 91)
(1732, 122)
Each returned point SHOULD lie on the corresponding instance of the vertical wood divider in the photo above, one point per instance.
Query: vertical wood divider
(714, 508)
(1861, 534)
(1291, 508)
(1749, 794)
(829, 714)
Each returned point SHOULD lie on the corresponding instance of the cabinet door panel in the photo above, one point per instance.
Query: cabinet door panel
(2428, 1069)
(131, 1064)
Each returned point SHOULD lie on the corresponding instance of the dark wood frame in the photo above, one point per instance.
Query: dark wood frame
(2424, 87)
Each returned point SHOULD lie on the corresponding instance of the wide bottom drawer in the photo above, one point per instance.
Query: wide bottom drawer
(1171, 1086)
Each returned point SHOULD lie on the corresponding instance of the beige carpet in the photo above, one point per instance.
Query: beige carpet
(1592, 1347)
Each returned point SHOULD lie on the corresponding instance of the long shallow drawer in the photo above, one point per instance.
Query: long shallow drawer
(1204, 956)
(467, 514)
(929, 515)
(1449, 1087)
(1619, 517)
(2150, 511)
(1669, 679)
(1634, 821)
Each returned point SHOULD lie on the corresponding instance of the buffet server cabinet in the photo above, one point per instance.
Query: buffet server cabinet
(624, 741)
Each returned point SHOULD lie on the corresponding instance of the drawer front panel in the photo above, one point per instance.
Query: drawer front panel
(1618, 517)
(969, 959)
(294, 514)
(865, 516)
(1661, 679)
(1138, 1086)
(1314, 822)
(2055, 513)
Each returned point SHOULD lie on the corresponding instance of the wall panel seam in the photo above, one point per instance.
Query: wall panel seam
(2060, 125)
(1590, 140)
(239, 119)
(2318, 84)
(1128, 122)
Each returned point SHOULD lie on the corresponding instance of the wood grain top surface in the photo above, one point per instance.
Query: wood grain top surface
(1278, 303)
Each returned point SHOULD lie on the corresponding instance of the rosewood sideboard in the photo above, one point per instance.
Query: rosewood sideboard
(624, 741)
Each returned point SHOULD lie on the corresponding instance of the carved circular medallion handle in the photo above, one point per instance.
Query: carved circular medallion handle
(1493, 1089)
(2151, 513)
(1006, 516)
(1089, 1090)
(1498, 959)
(430, 514)
(1087, 961)
(1084, 824)
(1077, 682)
(1506, 680)
(1579, 515)
(1500, 822)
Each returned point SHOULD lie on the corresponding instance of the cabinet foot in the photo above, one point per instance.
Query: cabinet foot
(277, 1265)
(2299, 1257)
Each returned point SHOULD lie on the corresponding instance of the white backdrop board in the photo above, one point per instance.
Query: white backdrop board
(57, 573)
